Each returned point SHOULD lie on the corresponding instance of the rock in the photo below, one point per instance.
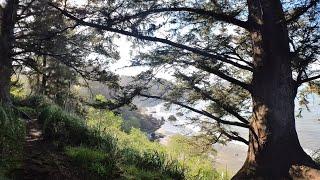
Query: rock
(155, 136)
(172, 118)
(179, 114)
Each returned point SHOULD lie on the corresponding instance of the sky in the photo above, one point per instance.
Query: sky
(2, 2)
(121, 66)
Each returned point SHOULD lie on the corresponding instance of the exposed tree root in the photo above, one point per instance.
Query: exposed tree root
(296, 172)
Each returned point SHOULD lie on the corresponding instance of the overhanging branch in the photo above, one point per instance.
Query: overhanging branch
(234, 137)
(207, 95)
(308, 79)
(218, 16)
(202, 112)
(153, 39)
(220, 104)
(300, 11)
(204, 67)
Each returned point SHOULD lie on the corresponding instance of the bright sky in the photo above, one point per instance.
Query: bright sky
(2, 2)
(121, 66)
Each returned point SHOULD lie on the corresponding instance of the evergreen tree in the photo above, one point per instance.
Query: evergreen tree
(244, 59)
(39, 40)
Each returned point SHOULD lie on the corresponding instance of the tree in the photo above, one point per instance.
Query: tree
(262, 53)
(8, 13)
(36, 39)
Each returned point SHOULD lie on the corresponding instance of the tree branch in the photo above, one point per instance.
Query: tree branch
(218, 16)
(49, 35)
(308, 79)
(223, 106)
(152, 39)
(202, 112)
(234, 137)
(300, 11)
(27, 7)
(206, 68)
(211, 98)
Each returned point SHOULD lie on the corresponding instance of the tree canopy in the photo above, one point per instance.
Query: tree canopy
(208, 46)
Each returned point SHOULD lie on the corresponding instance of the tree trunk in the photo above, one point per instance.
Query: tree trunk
(273, 144)
(43, 88)
(7, 21)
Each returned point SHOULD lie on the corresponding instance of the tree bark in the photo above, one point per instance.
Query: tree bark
(7, 20)
(274, 146)
(43, 88)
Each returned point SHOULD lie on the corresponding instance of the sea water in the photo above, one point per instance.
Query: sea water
(232, 155)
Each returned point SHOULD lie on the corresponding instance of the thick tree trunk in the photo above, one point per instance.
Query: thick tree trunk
(273, 144)
(5, 76)
(7, 21)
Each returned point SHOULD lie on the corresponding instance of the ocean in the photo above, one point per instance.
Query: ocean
(232, 155)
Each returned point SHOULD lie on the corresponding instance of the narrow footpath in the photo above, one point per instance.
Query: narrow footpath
(43, 161)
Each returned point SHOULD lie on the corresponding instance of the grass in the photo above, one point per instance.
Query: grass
(12, 134)
(132, 172)
(99, 145)
(89, 159)
(31, 112)
(62, 127)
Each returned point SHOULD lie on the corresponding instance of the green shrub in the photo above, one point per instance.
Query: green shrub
(136, 149)
(31, 105)
(12, 137)
(32, 113)
(84, 155)
(159, 161)
(103, 121)
(154, 161)
(195, 154)
(88, 159)
(105, 149)
(130, 123)
(93, 160)
(62, 127)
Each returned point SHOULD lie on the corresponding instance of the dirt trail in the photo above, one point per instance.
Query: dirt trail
(43, 161)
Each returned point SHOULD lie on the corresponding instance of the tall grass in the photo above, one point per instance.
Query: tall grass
(99, 145)
(61, 126)
(12, 136)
